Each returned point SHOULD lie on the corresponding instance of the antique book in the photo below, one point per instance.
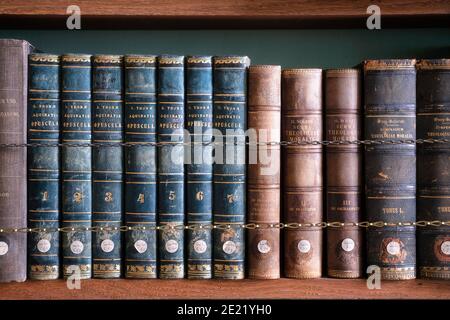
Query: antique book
(302, 164)
(199, 167)
(171, 166)
(13, 169)
(344, 175)
(43, 165)
(107, 164)
(76, 164)
(140, 165)
(390, 169)
(433, 167)
(229, 191)
(263, 191)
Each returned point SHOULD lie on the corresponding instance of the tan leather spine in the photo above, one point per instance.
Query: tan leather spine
(302, 165)
(263, 193)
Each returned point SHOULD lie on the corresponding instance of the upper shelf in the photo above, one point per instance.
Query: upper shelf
(223, 14)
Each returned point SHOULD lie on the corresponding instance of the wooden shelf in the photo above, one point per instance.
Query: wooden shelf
(227, 14)
(215, 289)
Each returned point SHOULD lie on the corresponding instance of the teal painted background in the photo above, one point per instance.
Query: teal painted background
(290, 48)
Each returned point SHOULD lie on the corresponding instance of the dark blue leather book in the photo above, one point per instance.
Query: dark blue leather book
(43, 166)
(171, 165)
(140, 165)
(199, 86)
(229, 199)
(107, 164)
(76, 187)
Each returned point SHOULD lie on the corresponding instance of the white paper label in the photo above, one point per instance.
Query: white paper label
(263, 246)
(445, 247)
(107, 245)
(76, 247)
(171, 246)
(3, 248)
(304, 246)
(393, 248)
(44, 245)
(348, 244)
(140, 246)
(200, 246)
(229, 247)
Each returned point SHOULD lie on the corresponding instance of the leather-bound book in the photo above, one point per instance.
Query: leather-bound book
(344, 175)
(433, 167)
(107, 164)
(76, 164)
(199, 90)
(171, 166)
(43, 166)
(13, 168)
(140, 165)
(302, 164)
(390, 169)
(229, 200)
(263, 191)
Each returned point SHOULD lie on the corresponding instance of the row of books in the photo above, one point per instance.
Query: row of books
(107, 150)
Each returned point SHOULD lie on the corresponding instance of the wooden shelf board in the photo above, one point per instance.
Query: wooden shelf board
(216, 289)
(222, 13)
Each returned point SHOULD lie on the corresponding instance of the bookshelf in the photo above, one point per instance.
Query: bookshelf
(312, 34)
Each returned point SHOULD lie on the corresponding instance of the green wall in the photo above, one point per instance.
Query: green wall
(291, 48)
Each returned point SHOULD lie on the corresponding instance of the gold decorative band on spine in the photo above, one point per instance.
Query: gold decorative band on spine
(199, 60)
(341, 274)
(435, 272)
(398, 273)
(264, 66)
(433, 64)
(304, 275)
(108, 58)
(41, 57)
(171, 60)
(231, 60)
(76, 58)
(301, 71)
(140, 59)
(399, 64)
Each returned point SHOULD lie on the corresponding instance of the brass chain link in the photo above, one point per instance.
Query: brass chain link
(224, 226)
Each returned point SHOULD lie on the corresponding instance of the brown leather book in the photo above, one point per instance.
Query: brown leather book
(263, 192)
(343, 172)
(13, 168)
(302, 165)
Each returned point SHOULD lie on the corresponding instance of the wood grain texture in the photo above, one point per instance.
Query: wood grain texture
(216, 13)
(235, 289)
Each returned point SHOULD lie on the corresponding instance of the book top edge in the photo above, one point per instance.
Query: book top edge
(350, 71)
(301, 71)
(264, 66)
(389, 64)
(433, 64)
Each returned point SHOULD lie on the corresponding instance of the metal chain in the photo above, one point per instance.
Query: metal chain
(224, 226)
(269, 143)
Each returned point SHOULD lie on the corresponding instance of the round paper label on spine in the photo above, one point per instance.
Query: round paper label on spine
(107, 245)
(229, 247)
(171, 246)
(3, 248)
(445, 247)
(348, 244)
(393, 247)
(77, 247)
(44, 245)
(263, 246)
(200, 246)
(140, 246)
(304, 246)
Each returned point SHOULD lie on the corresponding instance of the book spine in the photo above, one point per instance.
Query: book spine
(43, 166)
(433, 166)
(107, 164)
(13, 169)
(229, 192)
(140, 165)
(199, 108)
(390, 170)
(344, 177)
(263, 192)
(302, 122)
(76, 186)
(171, 166)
